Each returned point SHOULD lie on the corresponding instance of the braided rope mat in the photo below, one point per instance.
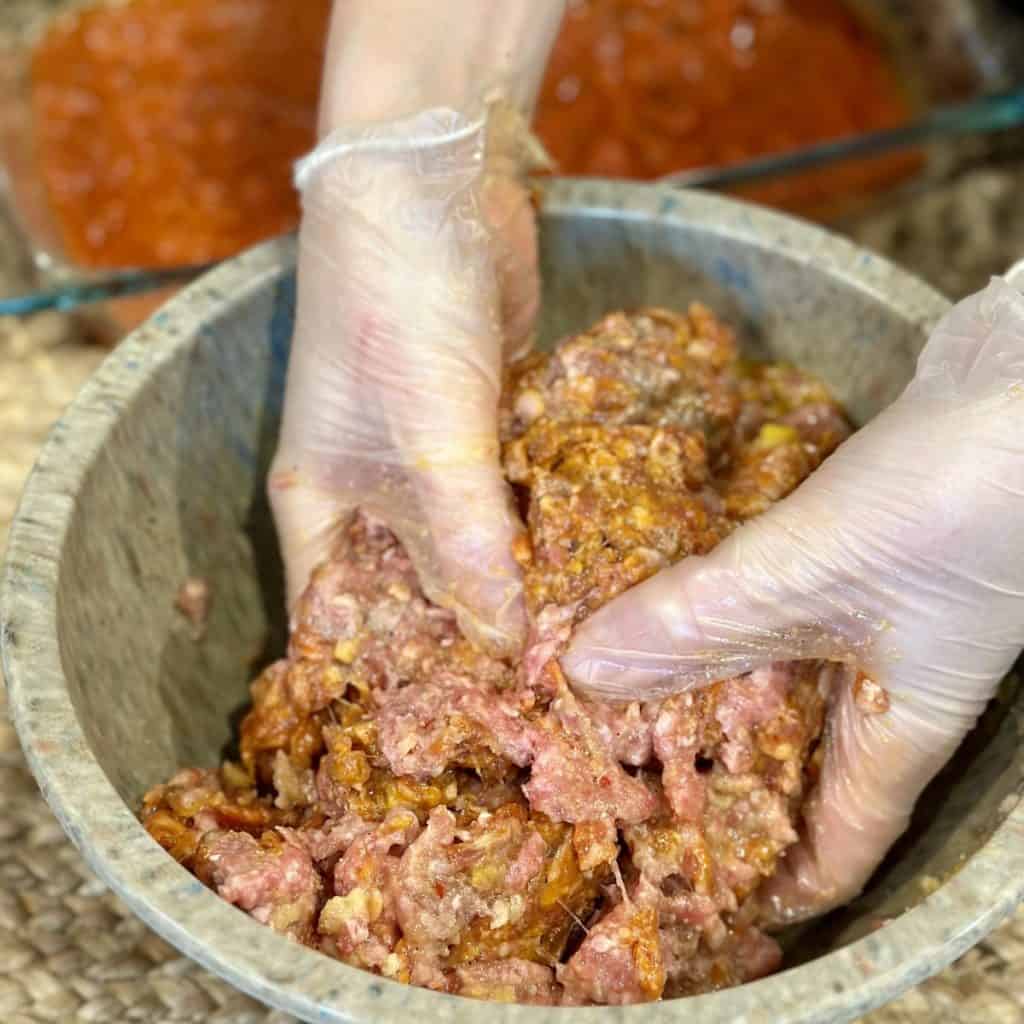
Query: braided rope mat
(72, 952)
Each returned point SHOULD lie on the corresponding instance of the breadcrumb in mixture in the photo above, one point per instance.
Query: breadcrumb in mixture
(414, 807)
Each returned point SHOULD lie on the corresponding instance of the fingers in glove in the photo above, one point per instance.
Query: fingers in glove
(309, 522)
(900, 556)
(755, 599)
(458, 526)
(463, 553)
(892, 554)
(977, 349)
(875, 767)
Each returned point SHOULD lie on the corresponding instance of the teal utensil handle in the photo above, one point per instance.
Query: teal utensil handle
(978, 117)
(117, 284)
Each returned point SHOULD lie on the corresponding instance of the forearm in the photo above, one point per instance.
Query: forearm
(389, 60)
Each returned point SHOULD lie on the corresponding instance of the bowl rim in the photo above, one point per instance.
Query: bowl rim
(837, 987)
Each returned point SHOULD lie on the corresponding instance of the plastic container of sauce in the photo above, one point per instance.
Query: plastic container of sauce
(642, 88)
(165, 130)
(157, 133)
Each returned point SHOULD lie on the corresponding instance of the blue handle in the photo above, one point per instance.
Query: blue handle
(117, 284)
(982, 116)
(979, 117)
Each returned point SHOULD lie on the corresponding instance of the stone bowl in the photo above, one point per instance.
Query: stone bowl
(156, 474)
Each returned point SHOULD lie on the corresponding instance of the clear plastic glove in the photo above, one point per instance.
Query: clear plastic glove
(417, 275)
(902, 556)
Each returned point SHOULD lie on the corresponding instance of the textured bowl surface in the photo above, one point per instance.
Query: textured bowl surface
(156, 474)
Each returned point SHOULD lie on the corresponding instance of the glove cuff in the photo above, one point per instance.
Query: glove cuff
(438, 134)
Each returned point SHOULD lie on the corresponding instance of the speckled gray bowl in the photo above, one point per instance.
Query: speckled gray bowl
(156, 474)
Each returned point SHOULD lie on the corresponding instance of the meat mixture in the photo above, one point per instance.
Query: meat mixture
(416, 808)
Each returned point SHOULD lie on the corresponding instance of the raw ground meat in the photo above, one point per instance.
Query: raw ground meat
(416, 808)
(508, 981)
(271, 878)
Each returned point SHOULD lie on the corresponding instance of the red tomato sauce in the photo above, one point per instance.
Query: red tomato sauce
(166, 130)
(641, 88)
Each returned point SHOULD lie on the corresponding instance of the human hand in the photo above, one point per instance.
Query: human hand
(903, 557)
(417, 278)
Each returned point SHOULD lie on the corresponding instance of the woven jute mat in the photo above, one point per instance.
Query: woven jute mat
(72, 952)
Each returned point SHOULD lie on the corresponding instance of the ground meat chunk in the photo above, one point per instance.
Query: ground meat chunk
(652, 367)
(434, 903)
(461, 891)
(362, 916)
(327, 842)
(575, 778)
(362, 625)
(627, 730)
(195, 802)
(662, 849)
(748, 702)
(595, 842)
(365, 862)
(434, 815)
(508, 981)
(528, 863)
(791, 425)
(620, 960)
(678, 738)
(548, 637)
(741, 805)
(285, 697)
(193, 601)
(820, 426)
(369, 583)
(741, 955)
(762, 474)
(273, 879)
(423, 728)
(610, 506)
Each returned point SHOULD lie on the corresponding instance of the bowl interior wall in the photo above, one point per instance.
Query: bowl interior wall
(179, 492)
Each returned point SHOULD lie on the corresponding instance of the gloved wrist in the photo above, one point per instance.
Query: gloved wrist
(387, 61)
(424, 157)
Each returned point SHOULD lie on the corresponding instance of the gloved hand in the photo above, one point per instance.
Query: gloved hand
(902, 556)
(417, 275)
